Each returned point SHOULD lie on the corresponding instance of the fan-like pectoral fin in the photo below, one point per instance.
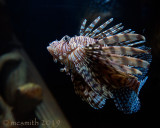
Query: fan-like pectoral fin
(83, 89)
(85, 72)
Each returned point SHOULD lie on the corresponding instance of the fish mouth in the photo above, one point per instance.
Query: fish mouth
(50, 50)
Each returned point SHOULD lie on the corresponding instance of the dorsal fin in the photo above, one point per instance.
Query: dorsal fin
(91, 26)
(83, 27)
(109, 31)
(100, 28)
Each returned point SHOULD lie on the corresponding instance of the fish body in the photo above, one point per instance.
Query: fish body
(103, 64)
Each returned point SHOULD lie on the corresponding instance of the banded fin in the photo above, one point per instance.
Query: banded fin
(109, 31)
(130, 43)
(85, 72)
(95, 100)
(109, 75)
(116, 50)
(129, 31)
(136, 43)
(100, 28)
(83, 27)
(115, 39)
(147, 57)
(123, 50)
(99, 55)
(126, 100)
(125, 31)
(126, 69)
(128, 60)
(128, 103)
(91, 26)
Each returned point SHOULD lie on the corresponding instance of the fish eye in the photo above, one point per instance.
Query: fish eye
(66, 38)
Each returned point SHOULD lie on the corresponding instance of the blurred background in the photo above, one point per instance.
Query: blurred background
(38, 22)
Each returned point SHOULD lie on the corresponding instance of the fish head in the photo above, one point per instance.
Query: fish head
(59, 49)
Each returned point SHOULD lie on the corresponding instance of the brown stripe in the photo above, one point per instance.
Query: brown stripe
(133, 71)
(112, 49)
(126, 37)
(82, 29)
(108, 55)
(100, 48)
(134, 85)
(133, 50)
(123, 50)
(87, 31)
(91, 27)
(139, 62)
(116, 38)
(104, 35)
(109, 31)
(130, 83)
(125, 60)
(106, 40)
(123, 68)
(139, 37)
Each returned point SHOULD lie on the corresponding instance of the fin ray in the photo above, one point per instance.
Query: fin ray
(115, 39)
(91, 26)
(128, 60)
(83, 27)
(94, 99)
(99, 29)
(109, 31)
(126, 100)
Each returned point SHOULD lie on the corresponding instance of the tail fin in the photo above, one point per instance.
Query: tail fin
(126, 100)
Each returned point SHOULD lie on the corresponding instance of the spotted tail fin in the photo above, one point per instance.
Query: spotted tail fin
(126, 100)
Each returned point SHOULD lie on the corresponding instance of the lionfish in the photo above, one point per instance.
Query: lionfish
(105, 64)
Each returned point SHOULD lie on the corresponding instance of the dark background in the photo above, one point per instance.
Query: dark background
(38, 22)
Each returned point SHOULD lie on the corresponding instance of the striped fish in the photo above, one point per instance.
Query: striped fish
(105, 63)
